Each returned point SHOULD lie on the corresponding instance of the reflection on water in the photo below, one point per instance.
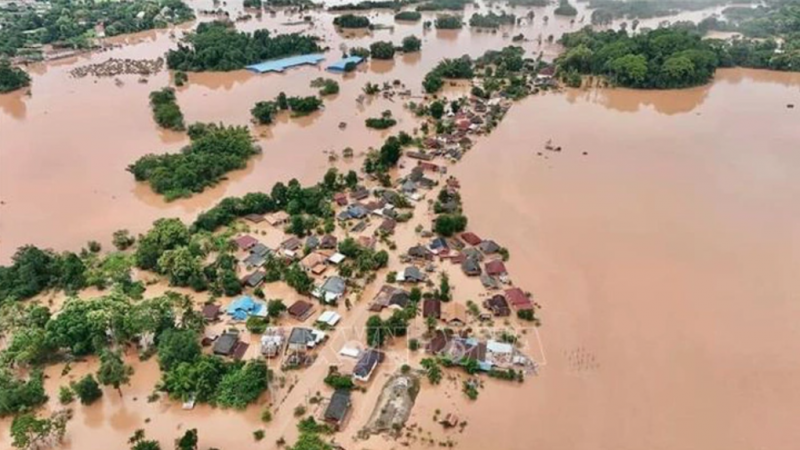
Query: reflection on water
(13, 104)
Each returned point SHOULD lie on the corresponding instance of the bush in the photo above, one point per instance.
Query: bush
(303, 106)
(448, 23)
(526, 314)
(382, 50)
(122, 239)
(381, 123)
(256, 324)
(263, 112)
(351, 21)
(449, 224)
(326, 85)
(65, 395)
(166, 111)
(87, 390)
(180, 78)
(413, 345)
(408, 16)
(411, 44)
(337, 381)
(258, 435)
(12, 78)
(359, 51)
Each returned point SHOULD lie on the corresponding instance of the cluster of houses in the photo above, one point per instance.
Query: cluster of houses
(489, 354)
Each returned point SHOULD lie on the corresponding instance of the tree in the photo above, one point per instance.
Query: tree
(138, 442)
(18, 395)
(12, 78)
(382, 50)
(351, 179)
(166, 111)
(87, 390)
(351, 21)
(275, 308)
(448, 22)
(444, 288)
(376, 332)
(432, 370)
(166, 234)
(188, 441)
(241, 387)
(256, 324)
(122, 239)
(177, 346)
(436, 109)
(629, 70)
(181, 267)
(449, 224)
(113, 370)
(297, 278)
(30, 432)
(263, 112)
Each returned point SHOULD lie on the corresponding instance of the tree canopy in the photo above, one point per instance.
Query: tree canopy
(12, 78)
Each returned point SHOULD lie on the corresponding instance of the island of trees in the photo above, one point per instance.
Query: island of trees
(12, 78)
(383, 122)
(217, 46)
(446, 22)
(492, 20)
(214, 151)
(565, 9)
(350, 21)
(408, 16)
(665, 58)
(166, 111)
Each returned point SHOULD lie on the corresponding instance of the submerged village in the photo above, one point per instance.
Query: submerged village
(362, 311)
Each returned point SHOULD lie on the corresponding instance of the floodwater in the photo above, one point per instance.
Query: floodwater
(64, 148)
(664, 258)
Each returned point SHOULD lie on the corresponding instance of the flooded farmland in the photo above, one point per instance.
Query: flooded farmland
(662, 241)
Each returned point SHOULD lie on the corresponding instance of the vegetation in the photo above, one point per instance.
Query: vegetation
(539, 3)
(252, 4)
(87, 390)
(263, 112)
(411, 44)
(338, 381)
(303, 106)
(381, 331)
(166, 111)
(30, 432)
(448, 22)
(444, 5)
(408, 16)
(459, 68)
(34, 270)
(20, 395)
(180, 78)
(64, 25)
(565, 9)
(371, 4)
(217, 47)
(188, 441)
(449, 224)
(383, 122)
(326, 86)
(113, 370)
(606, 11)
(214, 151)
(382, 50)
(432, 370)
(12, 78)
(388, 155)
(138, 442)
(492, 20)
(351, 21)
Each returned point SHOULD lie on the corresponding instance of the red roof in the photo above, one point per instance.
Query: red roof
(518, 299)
(340, 198)
(245, 242)
(495, 267)
(470, 238)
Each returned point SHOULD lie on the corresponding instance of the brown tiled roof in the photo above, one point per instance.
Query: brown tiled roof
(431, 308)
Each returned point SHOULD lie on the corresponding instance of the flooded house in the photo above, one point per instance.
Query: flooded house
(300, 310)
(331, 290)
(338, 409)
(498, 305)
(367, 363)
(245, 242)
(517, 299)
(431, 307)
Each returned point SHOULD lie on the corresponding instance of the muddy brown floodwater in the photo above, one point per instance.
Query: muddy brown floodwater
(665, 258)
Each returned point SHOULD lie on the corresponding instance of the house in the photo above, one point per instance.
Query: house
(272, 342)
(399, 299)
(312, 242)
(375, 205)
(277, 218)
(243, 307)
(300, 310)
(495, 268)
(420, 252)
(408, 187)
(489, 282)
(254, 260)
(455, 314)
(328, 242)
(302, 339)
(340, 198)
(471, 267)
(338, 408)
(367, 241)
(498, 306)
(460, 350)
(225, 344)
(517, 299)
(369, 360)
(314, 262)
(359, 193)
(438, 244)
(254, 218)
(336, 258)
(331, 290)
(438, 342)
(411, 274)
(472, 253)
(424, 156)
(292, 244)
(431, 308)
(356, 211)
(388, 296)
(431, 167)
(211, 312)
(245, 242)
(489, 247)
(388, 225)
(254, 279)
(329, 318)
(470, 238)
(260, 250)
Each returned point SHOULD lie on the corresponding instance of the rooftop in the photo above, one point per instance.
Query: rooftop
(279, 65)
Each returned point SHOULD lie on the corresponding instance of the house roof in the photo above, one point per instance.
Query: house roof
(338, 407)
(279, 65)
(334, 285)
(489, 246)
(301, 336)
(518, 299)
(211, 311)
(313, 259)
(245, 242)
(255, 278)
(225, 344)
(495, 267)
(292, 243)
(367, 362)
(255, 218)
(300, 308)
(471, 267)
(431, 308)
(388, 225)
(438, 342)
(260, 250)
(454, 311)
(470, 238)
(328, 241)
(412, 273)
(498, 305)
(245, 306)
(329, 317)
(399, 298)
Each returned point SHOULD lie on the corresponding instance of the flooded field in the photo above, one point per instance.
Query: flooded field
(662, 241)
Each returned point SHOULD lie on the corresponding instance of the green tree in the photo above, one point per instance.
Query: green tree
(138, 442)
(263, 112)
(12, 78)
(376, 332)
(241, 387)
(382, 50)
(188, 441)
(113, 371)
(177, 346)
(87, 390)
(30, 432)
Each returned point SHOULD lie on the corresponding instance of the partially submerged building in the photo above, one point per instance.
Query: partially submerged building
(367, 362)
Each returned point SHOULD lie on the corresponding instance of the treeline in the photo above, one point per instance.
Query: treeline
(444, 5)
(565, 9)
(665, 58)
(408, 16)
(166, 111)
(606, 11)
(373, 4)
(217, 47)
(773, 20)
(381, 161)
(214, 151)
(492, 20)
(12, 78)
(34, 270)
(263, 112)
(63, 23)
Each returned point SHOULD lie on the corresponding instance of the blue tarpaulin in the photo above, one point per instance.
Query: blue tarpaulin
(279, 65)
(245, 306)
(340, 65)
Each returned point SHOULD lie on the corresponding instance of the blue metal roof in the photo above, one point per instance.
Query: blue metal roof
(279, 65)
(339, 65)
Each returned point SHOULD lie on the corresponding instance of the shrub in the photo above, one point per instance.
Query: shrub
(87, 390)
(408, 16)
(351, 21)
(382, 50)
(411, 44)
